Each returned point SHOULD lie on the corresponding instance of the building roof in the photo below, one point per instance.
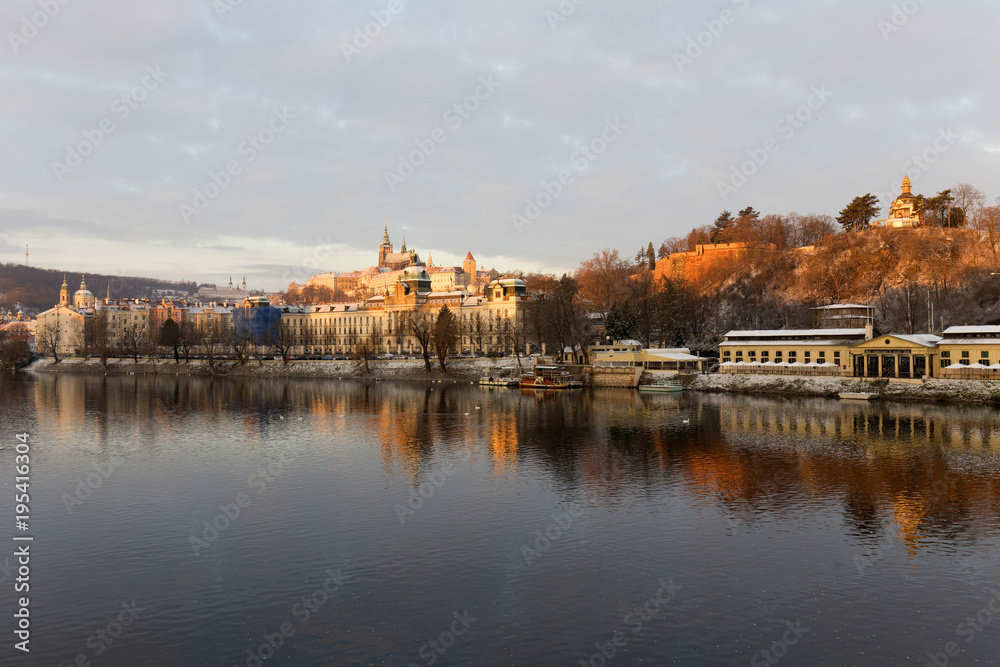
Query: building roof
(789, 343)
(469, 257)
(927, 340)
(978, 329)
(838, 306)
(800, 333)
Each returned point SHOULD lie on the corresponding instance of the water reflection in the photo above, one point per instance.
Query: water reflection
(686, 484)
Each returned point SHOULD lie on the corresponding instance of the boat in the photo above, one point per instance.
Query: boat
(550, 377)
(497, 378)
(856, 395)
(662, 386)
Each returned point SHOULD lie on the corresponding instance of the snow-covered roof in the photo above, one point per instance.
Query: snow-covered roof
(787, 343)
(797, 333)
(981, 329)
(675, 356)
(927, 340)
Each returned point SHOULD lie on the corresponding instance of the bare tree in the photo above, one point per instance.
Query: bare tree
(47, 339)
(131, 341)
(421, 326)
(282, 338)
(189, 337)
(101, 338)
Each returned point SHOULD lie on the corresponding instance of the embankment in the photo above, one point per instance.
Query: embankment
(930, 391)
(397, 369)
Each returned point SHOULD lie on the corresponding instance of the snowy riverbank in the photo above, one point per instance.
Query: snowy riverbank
(949, 391)
(397, 369)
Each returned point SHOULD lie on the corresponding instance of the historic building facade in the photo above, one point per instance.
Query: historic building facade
(903, 211)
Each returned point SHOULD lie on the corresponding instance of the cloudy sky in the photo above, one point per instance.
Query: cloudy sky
(194, 139)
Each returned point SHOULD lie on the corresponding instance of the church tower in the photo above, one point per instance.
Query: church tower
(64, 293)
(385, 248)
(469, 265)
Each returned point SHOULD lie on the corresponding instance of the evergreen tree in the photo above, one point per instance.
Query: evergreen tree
(620, 323)
(860, 212)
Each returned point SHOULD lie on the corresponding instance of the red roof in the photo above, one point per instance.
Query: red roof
(469, 257)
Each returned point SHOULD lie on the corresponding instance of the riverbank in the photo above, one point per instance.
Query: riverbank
(930, 391)
(397, 369)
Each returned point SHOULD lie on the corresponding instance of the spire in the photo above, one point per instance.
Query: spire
(907, 186)
(64, 282)
(385, 236)
(83, 282)
(403, 249)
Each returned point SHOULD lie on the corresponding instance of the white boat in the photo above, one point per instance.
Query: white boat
(662, 386)
(498, 382)
(497, 379)
(856, 395)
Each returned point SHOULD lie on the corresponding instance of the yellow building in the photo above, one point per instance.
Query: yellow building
(970, 352)
(790, 352)
(903, 211)
(910, 356)
(630, 354)
(493, 323)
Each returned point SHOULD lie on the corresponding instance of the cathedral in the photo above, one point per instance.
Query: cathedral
(396, 261)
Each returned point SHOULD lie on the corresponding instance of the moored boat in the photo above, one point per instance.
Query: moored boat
(662, 386)
(856, 395)
(496, 378)
(550, 377)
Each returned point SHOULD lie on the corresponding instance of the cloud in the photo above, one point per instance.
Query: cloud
(324, 176)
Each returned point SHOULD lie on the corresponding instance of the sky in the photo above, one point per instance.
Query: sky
(198, 139)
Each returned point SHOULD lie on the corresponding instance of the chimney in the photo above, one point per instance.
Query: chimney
(869, 330)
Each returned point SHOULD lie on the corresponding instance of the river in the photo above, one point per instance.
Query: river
(192, 521)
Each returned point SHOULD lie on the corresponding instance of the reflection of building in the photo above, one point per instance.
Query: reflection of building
(903, 211)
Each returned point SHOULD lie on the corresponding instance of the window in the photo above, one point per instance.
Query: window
(791, 356)
(763, 355)
(739, 354)
(946, 354)
(965, 354)
(822, 355)
(806, 355)
(984, 355)
(836, 355)
(726, 354)
(777, 355)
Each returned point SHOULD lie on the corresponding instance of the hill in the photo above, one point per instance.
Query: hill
(38, 289)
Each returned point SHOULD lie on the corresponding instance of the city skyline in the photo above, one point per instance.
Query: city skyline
(252, 138)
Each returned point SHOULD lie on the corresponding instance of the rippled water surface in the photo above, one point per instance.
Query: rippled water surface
(444, 524)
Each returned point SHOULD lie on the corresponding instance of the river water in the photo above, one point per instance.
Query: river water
(190, 521)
